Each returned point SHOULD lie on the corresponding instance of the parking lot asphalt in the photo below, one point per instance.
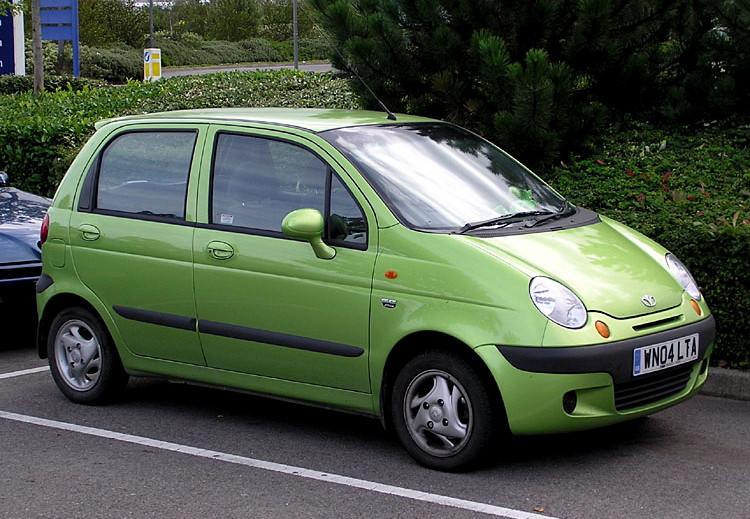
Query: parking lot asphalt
(192, 71)
(171, 450)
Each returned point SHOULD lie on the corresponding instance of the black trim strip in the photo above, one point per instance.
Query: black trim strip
(43, 283)
(278, 339)
(176, 220)
(615, 358)
(238, 332)
(158, 318)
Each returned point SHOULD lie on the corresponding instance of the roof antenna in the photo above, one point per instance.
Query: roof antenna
(353, 70)
(390, 116)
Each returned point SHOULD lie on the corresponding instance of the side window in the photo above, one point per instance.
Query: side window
(146, 173)
(257, 182)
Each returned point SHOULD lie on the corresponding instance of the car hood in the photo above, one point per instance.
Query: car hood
(609, 266)
(21, 216)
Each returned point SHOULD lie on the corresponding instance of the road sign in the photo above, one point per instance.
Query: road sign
(151, 64)
(11, 43)
(60, 23)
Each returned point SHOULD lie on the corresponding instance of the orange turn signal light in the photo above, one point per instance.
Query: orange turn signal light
(602, 328)
(696, 307)
(391, 274)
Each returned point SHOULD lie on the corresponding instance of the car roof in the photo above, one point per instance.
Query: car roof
(310, 119)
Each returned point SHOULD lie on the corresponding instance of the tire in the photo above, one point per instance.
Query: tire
(443, 412)
(83, 359)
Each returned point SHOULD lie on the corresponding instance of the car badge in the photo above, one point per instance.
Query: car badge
(649, 301)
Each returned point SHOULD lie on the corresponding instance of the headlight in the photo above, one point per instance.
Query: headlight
(557, 302)
(683, 277)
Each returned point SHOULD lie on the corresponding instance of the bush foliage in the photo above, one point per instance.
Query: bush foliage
(120, 63)
(689, 191)
(39, 136)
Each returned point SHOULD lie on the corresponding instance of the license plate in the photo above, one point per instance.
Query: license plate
(665, 355)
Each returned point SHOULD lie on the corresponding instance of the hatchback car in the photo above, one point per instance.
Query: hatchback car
(405, 269)
(21, 215)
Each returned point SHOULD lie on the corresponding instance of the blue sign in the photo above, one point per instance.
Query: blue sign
(60, 23)
(7, 44)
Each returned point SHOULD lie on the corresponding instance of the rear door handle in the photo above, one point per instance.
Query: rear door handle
(220, 250)
(89, 232)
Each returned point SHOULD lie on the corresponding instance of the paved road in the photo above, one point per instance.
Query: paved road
(170, 450)
(188, 71)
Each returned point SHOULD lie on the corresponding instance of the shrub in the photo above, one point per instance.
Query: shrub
(690, 191)
(189, 49)
(118, 64)
(315, 49)
(113, 65)
(39, 136)
(20, 84)
(259, 50)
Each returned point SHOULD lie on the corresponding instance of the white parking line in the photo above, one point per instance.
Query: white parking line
(23, 372)
(372, 486)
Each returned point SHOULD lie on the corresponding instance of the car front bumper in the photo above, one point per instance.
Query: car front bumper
(551, 390)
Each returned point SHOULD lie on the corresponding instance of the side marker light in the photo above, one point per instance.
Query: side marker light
(696, 307)
(602, 328)
(391, 274)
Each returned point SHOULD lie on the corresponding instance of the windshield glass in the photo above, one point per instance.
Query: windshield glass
(437, 176)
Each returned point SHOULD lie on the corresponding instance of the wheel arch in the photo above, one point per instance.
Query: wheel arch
(51, 309)
(416, 343)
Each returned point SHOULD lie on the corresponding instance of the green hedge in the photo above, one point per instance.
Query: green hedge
(115, 65)
(39, 137)
(118, 64)
(690, 191)
(19, 84)
(112, 65)
(194, 51)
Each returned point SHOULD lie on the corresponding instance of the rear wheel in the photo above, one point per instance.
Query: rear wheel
(443, 412)
(83, 359)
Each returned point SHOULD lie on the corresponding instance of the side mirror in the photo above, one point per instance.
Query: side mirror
(3, 178)
(308, 225)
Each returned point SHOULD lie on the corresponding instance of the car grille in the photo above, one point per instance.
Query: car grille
(20, 271)
(652, 388)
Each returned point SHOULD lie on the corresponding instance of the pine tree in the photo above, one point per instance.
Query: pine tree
(536, 76)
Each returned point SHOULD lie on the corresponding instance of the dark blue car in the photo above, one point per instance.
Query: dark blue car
(21, 216)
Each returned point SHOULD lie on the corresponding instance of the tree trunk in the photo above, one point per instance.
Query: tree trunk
(36, 46)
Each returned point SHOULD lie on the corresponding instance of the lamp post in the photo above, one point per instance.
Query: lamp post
(295, 34)
(151, 23)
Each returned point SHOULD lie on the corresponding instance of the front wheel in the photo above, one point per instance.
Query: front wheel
(443, 412)
(83, 359)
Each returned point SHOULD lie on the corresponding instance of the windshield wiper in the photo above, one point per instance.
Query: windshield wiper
(503, 220)
(566, 210)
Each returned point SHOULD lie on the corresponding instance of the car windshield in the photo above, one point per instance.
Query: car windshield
(440, 177)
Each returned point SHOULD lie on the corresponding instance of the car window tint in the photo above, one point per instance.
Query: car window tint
(346, 223)
(146, 173)
(257, 181)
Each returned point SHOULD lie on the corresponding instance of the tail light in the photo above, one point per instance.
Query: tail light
(44, 231)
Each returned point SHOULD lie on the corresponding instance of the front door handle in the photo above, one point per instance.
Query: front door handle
(220, 250)
(89, 232)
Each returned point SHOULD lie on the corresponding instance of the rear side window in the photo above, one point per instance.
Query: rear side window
(146, 173)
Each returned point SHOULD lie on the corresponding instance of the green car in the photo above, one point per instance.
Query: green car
(405, 269)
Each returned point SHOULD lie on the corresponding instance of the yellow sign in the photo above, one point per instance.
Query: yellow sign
(151, 64)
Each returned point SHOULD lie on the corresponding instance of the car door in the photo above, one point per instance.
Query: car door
(132, 237)
(266, 304)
